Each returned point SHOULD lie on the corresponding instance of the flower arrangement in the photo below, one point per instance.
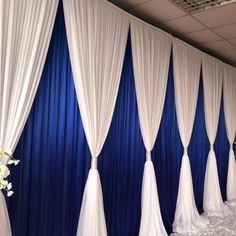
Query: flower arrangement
(5, 172)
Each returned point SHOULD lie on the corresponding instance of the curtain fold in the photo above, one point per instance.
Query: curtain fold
(25, 32)
(212, 85)
(97, 34)
(151, 56)
(187, 65)
(229, 95)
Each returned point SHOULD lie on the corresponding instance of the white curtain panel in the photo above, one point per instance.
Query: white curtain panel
(97, 34)
(151, 55)
(212, 84)
(187, 64)
(229, 94)
(25, 32)
(5, 228)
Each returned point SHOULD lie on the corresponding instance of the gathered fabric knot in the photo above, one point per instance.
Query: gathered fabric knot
(148, 156)
(186, 151)
(212, 147)
(94, 163)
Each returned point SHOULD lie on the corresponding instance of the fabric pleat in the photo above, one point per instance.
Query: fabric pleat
(229, 96)
(212, 84)
(187, 65)
(151, 55)
(97, 35)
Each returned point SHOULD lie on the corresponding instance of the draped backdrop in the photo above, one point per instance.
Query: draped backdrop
(55, 157)
(229, 93)
(212, 84)
(187, 63)
(97, 34)
(151, 55)
(25, 33)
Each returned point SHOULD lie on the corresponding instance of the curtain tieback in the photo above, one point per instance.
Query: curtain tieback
(94, 163)
(212, 147)
(9, 154)
(231, 147)
(148, 156)
(6, 152)
(186, 151)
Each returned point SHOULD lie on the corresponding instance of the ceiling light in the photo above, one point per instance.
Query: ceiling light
(193, 6)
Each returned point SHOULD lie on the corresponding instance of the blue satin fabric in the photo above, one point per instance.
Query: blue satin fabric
(55, 157)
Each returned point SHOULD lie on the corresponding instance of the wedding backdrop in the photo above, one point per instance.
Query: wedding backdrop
(130, 133)
(25, 33)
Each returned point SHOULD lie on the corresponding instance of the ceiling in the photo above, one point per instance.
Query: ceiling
(213, 31)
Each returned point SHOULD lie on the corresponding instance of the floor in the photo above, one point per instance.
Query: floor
(224, 226)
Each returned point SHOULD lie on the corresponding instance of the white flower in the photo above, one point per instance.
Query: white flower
(4, 171)
(10, 162)
(13, 161)
(16, 162)
(9, 193)
(4, 183)
(9, 186)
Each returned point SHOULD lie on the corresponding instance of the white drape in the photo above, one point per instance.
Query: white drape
(151, 55)
(229, 93)
(97, 34)
(212, 84)
(5, 228)
(25, 32)
(187, 63)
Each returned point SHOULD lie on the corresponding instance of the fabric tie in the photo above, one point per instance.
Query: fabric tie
(231, 146)
(186, 151)
(94, 163)
(212, 147)
(148, 156)
(5, 152)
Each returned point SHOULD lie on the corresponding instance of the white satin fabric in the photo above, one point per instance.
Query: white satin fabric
(97, 34)
(25, 32)
(229, 95)
(151, 55)
(212, 84)
(187, 63)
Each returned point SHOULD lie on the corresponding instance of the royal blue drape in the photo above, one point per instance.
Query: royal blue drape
(55, 158)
